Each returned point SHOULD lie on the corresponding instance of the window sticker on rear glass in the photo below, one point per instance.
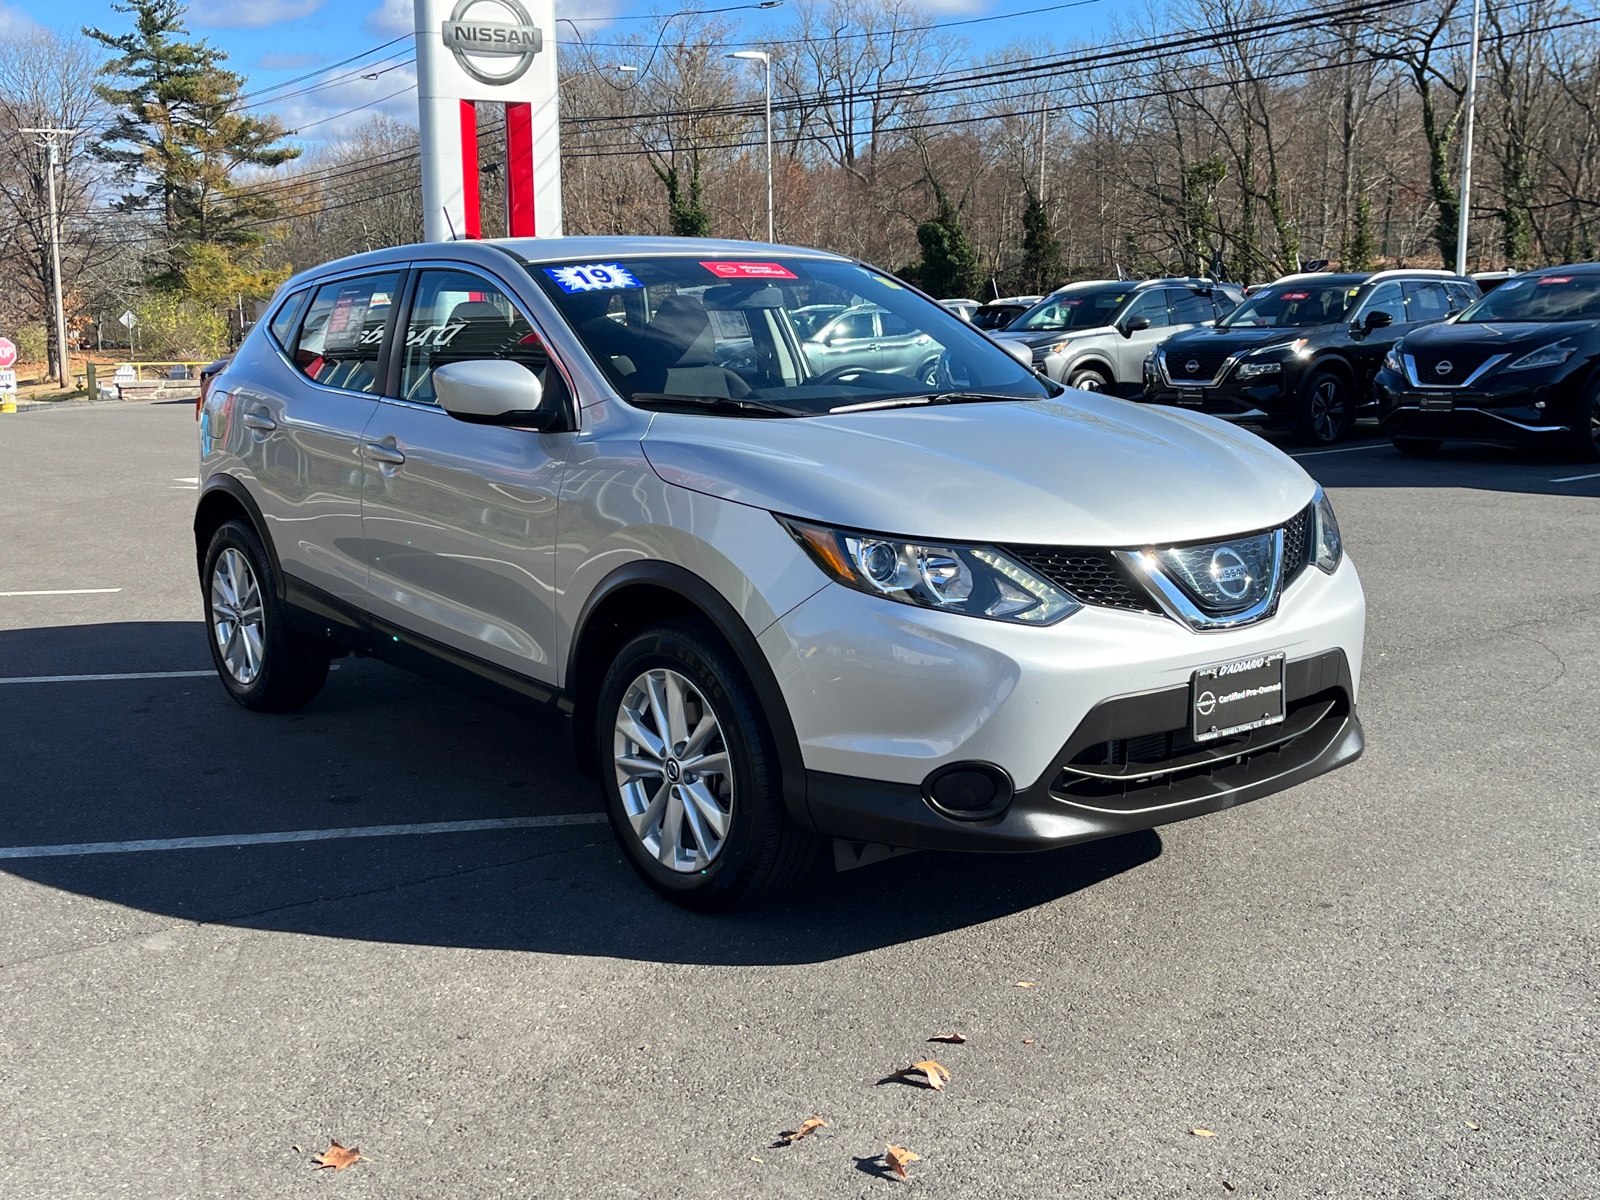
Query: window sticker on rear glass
(749, 270)
(1553, 279)
(348, 318)
(1295, 296)
(592, 277)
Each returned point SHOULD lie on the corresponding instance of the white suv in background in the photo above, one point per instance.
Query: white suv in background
(1096, 335)
(779, 598)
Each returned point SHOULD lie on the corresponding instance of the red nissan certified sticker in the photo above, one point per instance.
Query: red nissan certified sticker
(1295, 296)
(1555, 279)
(729, 270)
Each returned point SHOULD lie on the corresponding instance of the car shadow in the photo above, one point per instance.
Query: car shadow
(121, 760)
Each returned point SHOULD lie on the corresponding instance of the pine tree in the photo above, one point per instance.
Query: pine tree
(179, 137)
(949, 262)
(1041, 261)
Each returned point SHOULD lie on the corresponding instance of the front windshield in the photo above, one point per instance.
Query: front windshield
(1286, 305)
(1553, 297)
(784, 336)
(1089, 309)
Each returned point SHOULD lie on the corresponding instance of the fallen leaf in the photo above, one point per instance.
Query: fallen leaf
(954, 1039)
(337, 1157)
(935, 1074)
(1229, 1186)
(753, 1158)
(809, 1125)
(1027, 1041)
(898, 1156)
(1202, 1133)
(1472, 1125)
(1024, 985)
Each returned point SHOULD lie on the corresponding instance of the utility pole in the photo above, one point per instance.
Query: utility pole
(1044, 115)
(761, 56)
(1466, 149)
(47, 140)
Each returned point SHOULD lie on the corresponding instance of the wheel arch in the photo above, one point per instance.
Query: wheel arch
(1092, 359)
(225, 499)
(1337, 363)
(640, 594)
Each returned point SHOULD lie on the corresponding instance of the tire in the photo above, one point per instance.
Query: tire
(1417, 446)
(1324, 414)
(1583, 443)
(265, 665)
(670, 834)
(928, 373)
(1089, 379)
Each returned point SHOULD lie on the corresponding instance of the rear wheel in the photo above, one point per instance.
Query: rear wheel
(264, 664)
(1089, 379)
(693, 785)
(1417, 446)
(1324, 413)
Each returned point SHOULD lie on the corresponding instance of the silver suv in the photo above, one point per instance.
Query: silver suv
(1096, 335)
(780, 597)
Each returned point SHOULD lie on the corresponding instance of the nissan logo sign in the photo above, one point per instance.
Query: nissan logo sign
(1231, 574)
(477, 44)
(1192, 366)
(1445, 367)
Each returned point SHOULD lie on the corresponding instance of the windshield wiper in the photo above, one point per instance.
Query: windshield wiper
(919, 401)
(726, 404)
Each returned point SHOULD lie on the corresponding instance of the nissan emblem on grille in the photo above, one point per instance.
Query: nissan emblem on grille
(1192, 366)
(1230, 572)
(1444, 366)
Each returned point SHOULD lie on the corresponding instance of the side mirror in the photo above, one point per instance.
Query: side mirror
(1134, 326)
(1018, 350)
(1377, 319)
(493, 391)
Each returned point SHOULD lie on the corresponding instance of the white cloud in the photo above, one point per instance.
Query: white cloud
(288, 62)
(249, 14)
(14, 20)
(391, 19)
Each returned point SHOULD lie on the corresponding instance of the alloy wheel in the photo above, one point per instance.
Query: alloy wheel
(236, 616)
(673, 771)
(1327, 410)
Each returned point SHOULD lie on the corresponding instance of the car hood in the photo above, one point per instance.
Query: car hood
(1496, 337)
(1090, 471)
(1230, 341)
(1046, 337)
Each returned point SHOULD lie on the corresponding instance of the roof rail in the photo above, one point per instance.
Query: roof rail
(1412, 271)
(1303, 275)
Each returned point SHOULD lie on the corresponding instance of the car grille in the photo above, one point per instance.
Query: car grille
(1296, 544)
(1461, 363)
(1091, 575)
(1207, 364)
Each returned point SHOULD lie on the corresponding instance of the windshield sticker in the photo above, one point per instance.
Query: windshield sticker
(592, 277)
(1553, 279)
(1069, 303)
(1295, 296)
(749, 270)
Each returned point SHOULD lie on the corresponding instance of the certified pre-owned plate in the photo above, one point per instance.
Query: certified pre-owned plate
(1236, 696)
(1437, 403)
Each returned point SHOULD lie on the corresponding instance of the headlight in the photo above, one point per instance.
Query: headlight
(976, 580)
(1327, 548)
(1552, 355)
(1391, 361)
(1059, 346)
(1250, 370)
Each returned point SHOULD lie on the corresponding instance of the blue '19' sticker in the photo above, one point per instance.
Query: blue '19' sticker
(592, 277)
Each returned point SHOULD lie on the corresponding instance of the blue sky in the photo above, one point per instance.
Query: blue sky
(276, 42)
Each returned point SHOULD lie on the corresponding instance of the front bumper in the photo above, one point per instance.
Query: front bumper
(883, 695)
(1525, 413)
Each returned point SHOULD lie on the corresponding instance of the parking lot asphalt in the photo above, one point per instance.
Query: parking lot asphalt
(1382, 983)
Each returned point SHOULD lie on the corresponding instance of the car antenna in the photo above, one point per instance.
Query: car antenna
(446, 210)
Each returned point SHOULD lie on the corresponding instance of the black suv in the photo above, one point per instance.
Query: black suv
(1301, 353)
(1518, 366)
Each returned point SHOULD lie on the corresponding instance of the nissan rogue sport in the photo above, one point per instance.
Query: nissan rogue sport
(781, 595)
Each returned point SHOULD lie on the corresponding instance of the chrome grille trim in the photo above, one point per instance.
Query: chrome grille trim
(1488, 364)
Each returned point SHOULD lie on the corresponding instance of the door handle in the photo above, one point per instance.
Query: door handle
(378, 452)
(260, 422)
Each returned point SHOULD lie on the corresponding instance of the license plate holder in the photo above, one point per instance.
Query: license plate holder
(1437, 403)
(1235, 697)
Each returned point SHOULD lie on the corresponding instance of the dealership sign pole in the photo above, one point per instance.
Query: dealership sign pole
(476, 52)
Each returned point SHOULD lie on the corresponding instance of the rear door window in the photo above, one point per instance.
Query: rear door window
(457, 316)
(1189, 308)
(341, 340)
(1223, 302)
(1385, 297)
(1461, 295)
(1427, 301)
(1151, 305)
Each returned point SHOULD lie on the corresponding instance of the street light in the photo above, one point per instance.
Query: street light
(764, 58)
(1466, 150)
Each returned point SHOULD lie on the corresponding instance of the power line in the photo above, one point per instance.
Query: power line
(321, 70)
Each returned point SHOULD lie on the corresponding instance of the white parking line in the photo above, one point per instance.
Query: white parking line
(1341, 450)
(225, 840)
(99, 678)
(65, 592)
(1575, 478)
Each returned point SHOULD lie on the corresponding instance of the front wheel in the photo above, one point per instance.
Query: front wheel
(1584, 440)
(264, 664)
(693, 787)
(1089, 379)
(1324, 414)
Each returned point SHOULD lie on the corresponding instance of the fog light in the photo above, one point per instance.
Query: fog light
(968, 791)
